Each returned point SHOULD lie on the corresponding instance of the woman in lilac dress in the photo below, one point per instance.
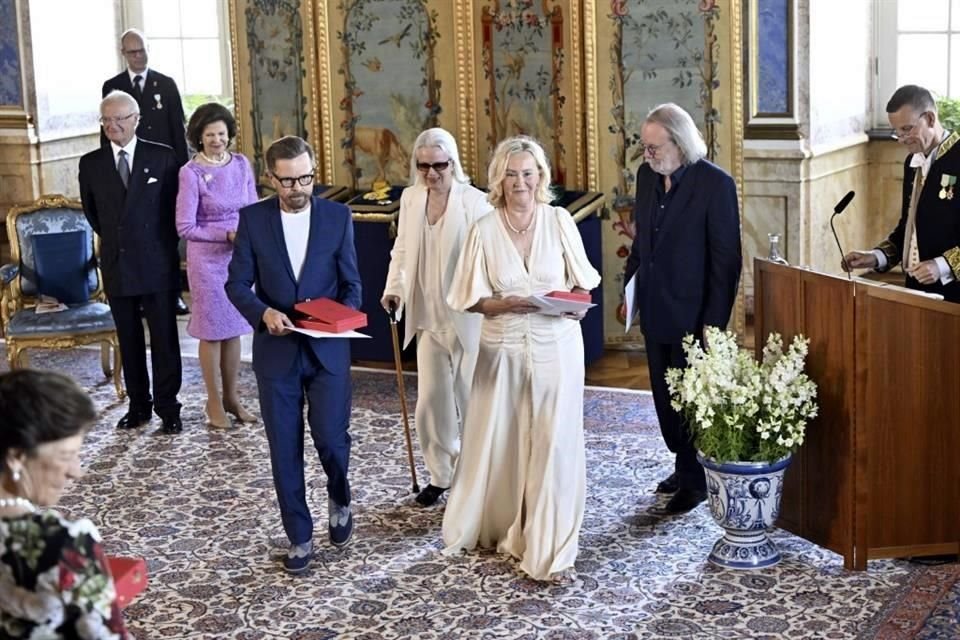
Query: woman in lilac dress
(214, 186)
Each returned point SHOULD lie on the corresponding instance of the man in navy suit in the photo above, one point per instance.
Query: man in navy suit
(686, 257)
(161, 110)
(293, 248)
(129, 193)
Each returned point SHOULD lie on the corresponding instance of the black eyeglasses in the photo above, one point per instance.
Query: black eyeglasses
(424, 167)
(287, 183)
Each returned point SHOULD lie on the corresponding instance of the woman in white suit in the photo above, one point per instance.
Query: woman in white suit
(436, 211)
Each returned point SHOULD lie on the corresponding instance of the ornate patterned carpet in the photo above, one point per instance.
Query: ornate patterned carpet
(200, 507)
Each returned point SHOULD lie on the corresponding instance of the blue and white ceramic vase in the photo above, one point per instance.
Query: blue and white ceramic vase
(744, 498)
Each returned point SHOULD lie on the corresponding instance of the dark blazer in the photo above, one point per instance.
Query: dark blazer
(688, 278)
(161, 120)
(329, 271)
(137, 227)
(938, 220)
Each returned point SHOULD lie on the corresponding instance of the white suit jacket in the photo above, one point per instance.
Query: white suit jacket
(465, 206)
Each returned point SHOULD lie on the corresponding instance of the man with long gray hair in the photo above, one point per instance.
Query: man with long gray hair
(686, 260)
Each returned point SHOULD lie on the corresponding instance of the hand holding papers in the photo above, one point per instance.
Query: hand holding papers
(325, 318)
(558, 303)
(629, 302)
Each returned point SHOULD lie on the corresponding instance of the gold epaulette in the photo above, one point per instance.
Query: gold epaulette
(947, 144)
(891, 251)
(953, 259)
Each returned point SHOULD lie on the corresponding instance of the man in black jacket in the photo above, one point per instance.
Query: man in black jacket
(129, 192)
(686, 258)
(161, 110)
(926, 240)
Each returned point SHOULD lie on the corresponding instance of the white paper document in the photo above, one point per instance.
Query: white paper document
(558, 306)
(313, 333)
(628, 300)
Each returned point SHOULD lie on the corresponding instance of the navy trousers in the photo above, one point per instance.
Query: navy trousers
(660, 357)
(328, 399)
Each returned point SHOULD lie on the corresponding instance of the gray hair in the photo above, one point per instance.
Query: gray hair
(120, 96)
(498, 169)
(443, 140)
(682, 130)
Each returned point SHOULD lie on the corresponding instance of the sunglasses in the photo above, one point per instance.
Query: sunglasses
(424, 167)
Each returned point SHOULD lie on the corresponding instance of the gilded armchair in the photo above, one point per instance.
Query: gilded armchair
(41, 235)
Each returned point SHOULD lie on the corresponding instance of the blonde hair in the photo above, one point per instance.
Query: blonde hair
(498, 169)
(443, 140)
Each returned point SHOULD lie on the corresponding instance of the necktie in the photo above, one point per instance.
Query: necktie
(123, 168)
(137, 90)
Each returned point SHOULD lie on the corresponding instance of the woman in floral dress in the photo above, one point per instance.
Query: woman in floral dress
(54, 579)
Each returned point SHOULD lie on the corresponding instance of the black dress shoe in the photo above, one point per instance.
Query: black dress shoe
(429, 495)
(670, 484)
(682, 501)
(182, 308)
(171, 425)
(133, 419)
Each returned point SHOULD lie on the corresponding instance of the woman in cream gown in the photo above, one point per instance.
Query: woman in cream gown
(521, 478)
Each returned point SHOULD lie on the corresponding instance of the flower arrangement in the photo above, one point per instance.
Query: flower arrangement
(739, 409)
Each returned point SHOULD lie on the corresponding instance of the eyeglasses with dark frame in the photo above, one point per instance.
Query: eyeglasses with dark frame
(439, 167)
(104, 121)
(287, 183)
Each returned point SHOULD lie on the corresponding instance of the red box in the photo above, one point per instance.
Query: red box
(324, 314)
(570, 295)
(129, 577)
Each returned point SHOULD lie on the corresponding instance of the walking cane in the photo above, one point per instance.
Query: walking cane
(403, 394)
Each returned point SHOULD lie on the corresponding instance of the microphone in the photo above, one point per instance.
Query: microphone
(837, 210)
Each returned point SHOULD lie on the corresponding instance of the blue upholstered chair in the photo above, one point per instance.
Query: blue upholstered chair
(54, 252)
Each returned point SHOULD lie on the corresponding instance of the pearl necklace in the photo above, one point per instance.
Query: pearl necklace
(223, 159)
(17, 501)
(519, 232)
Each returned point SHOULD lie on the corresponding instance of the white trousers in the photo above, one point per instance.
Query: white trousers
(444, 374)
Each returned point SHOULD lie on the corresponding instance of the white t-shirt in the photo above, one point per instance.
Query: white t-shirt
(296, 234)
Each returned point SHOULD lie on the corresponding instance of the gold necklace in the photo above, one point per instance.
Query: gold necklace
(519, 232)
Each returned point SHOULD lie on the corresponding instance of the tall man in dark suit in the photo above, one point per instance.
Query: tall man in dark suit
(686, 256)
(161, 110)
(129, 192)
(926, 240)
(293, 248)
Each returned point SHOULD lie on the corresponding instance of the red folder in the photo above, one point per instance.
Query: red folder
(570, 295)
(324, 314)
(129, 577)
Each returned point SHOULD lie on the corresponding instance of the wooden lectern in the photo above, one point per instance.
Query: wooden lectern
(879, 473)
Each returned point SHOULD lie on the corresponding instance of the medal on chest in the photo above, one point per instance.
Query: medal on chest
(946, 186)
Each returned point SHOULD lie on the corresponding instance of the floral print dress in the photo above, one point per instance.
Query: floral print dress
(54, 580)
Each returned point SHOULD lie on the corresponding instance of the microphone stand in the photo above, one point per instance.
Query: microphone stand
(843, 258)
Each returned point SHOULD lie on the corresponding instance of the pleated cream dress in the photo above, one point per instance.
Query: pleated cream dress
(521, 477)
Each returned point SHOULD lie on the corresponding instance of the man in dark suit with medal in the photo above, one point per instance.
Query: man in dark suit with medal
(161, 110)
(926, 240)
(129, 192)
(686, 261)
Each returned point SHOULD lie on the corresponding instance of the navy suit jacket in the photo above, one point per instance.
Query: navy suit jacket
(137, 226)
(161, 120)
(688, 277)
(260, 260)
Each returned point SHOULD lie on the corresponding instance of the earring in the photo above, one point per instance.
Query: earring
(16, 475)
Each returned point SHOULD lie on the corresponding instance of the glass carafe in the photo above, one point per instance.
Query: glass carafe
(774, 254)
